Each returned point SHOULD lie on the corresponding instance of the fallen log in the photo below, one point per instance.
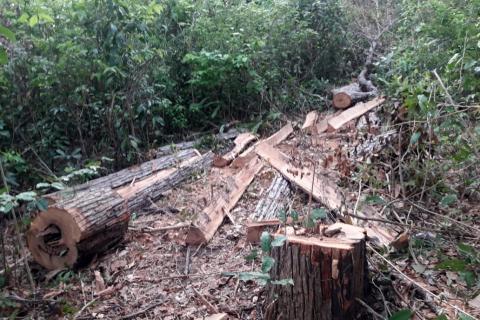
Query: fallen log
(358, 110)
(93, 220)
(128, 175)
(328, 275)
(208, 221)
(273, 140)
(175, 147)
(321, 189)
(241, 142)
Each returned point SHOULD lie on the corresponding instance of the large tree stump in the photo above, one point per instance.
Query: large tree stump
(83, 223)
(328, 275)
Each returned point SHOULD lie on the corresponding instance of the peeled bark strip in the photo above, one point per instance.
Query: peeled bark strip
(241, 142)
(88, 222)
(329, 274)
(128, 175)
(358, 110)
(274, 200)
(212, 216)
(322, 190)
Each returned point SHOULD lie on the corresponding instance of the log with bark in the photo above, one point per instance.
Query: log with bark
(81, 224)
(328, 275)
(350, 94)
(274, 201)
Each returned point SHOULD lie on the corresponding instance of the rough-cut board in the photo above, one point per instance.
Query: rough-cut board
(274, 200)
(273, 140)
(208, 221)
(310, 120)
(328, 275)
(323, 190)
(88, 222)
(353, 113)
(241, 142)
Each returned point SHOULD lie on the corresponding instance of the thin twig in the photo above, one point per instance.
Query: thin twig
(136, 314)
(370, 309)
(84, 307)
(419, 286)
(209, 306)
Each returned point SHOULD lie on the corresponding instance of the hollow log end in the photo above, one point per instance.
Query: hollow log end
(342, 100)
(52, 239)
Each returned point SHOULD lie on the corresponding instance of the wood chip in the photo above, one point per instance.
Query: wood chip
(358, 110)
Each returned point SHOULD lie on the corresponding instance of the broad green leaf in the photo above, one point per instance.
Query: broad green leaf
(6, 207)
(265, 241)
(452, 265)
(278, 241)
(469, 277)
(441, 317)
(26, 196)
(3, 56)
(448, 200)
(7, 33)
(402, 315)
(247, 276)
(463, 316)
(58, 185)
(42, 185)
(33, 21)
(414, 138)
(283, 282)
(267, 263)
(319, 213)
(374, 199)
(294, 215)
(252, 255)
(42, 204)
(282, 216)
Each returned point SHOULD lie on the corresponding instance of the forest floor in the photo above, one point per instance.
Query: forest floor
(154, 275)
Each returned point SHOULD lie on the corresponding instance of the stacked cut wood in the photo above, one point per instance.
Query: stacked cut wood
(328, 273)
(89, 219)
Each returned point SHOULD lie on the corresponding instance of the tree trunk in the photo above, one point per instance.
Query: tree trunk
(83, 223)
(350, 94)
(329, 274)
(128, 175)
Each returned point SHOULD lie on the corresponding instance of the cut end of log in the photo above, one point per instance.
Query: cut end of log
(342, 100)
(52, 239)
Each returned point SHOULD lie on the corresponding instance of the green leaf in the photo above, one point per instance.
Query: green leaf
(42, 185)
(3, 56)
(294, 215)
(58, 185)
(452, 265)
(463, 316)
(282, 216)
(267, 263)
(26, 196)
(42, 204)
(33, 21)
(278, 241)
(265, 241)
(283, 282)
(448, 200)
(319, 213)
(374, 199)
(7, 33)
(248, 276)
(469, 278)
(414, 138)
(402, 315)
(252, 255)
(441, 317)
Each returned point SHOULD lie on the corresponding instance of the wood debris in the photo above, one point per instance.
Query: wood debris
(350, 114)
(241, 142)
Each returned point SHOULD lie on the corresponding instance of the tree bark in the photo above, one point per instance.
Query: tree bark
(83, 223)
(328, 275)
(274, 200)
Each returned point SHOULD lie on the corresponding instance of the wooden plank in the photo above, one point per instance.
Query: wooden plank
(310, 120)
(273, 140)
(212, 216)
(323, 190)
(241, 142)
(358, 110)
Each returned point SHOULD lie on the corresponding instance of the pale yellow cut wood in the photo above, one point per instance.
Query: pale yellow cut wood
(323, 190)
(217, 316)
(475, 302)
(241, 142)
(273, 140)
(310, 120)
(212, 216)
(356, 111)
